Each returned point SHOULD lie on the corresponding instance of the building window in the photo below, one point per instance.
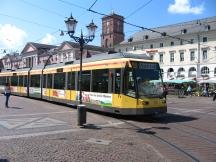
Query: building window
(151, 45)
(119, 50)
(192, 55)
(145, 37)
(181, 42)
(108, 26)
(172, 57)
(162, 72)
(161, 57)
(192, 41)
(126, 49)
(152, 57)
(184, 31)
(181, 56)
(205, 54)
(215, 72)
(172, 43)
(205, 39)
(207, 27)
(161, 44)
(204, 70)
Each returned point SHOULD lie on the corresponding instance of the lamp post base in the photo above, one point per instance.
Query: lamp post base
(81, 115)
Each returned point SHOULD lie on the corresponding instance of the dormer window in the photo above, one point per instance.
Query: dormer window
(130, 39)
(207, 27)
(146, 37)
(163, 34)
(184, 31)
(172, 43)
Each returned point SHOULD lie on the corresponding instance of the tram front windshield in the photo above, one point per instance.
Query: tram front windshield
(148, 79)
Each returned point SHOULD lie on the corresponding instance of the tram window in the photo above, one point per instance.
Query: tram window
(20, 81)
(71, 81)
(59, 81)
(35, 81)
(117, 81)
(49, 81)
(25, 79)
(44, 81)
(100, 81)
(14, 80)
(7, 79)
(86, 79)
(129, 87)
(2, 80)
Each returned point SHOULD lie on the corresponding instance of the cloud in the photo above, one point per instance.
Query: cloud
(11, 37)
(184, 7)
(48, 39)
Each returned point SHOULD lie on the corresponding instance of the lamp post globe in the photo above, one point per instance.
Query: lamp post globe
(71, 25)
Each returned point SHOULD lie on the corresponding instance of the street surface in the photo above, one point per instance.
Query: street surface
(33, 130)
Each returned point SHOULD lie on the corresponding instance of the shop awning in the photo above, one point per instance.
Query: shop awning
(212, 80)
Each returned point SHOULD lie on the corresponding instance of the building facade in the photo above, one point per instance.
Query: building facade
(112, 30)
(185, 50)
(36, 54)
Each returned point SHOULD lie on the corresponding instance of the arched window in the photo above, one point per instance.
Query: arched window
(192, 72)
(170, 73)
(181, 72)
(205, 70)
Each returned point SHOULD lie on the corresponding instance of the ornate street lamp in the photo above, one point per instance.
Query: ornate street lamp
(71, 27)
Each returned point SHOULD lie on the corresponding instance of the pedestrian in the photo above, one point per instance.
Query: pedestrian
(165, 91)
(214, 95)
(7, 93)
(189, 90)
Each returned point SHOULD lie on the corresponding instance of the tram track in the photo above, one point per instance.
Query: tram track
(176, 139)
(164, 143)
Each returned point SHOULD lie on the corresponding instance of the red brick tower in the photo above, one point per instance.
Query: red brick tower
(112, 30)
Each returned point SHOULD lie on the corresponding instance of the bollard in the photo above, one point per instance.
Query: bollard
(81, 115)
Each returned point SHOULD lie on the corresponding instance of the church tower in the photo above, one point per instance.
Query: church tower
(112, 30)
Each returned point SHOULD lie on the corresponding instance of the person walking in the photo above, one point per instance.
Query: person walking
(214, 95)
(189, 90)
(165, 91)
(7, 93)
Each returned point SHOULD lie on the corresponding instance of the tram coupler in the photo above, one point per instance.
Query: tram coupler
(81, 115)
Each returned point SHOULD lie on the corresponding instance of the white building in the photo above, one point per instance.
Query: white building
(185, 50)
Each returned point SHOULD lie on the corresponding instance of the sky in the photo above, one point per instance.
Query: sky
(40, 21)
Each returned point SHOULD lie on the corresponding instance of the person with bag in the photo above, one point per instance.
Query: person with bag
(7, 93)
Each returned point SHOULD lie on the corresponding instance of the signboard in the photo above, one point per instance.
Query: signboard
(102, 99)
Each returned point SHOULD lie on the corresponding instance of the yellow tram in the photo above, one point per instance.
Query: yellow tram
(117, 83)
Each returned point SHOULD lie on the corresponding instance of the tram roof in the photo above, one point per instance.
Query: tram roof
(93, 58)
(103, 56)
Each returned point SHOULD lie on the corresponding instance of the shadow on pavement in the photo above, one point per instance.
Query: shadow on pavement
(14, 108)
(163, 119)
(91, 126)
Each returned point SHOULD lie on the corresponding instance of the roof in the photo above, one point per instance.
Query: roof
(38, 46)
(86, 46)
(194, 26)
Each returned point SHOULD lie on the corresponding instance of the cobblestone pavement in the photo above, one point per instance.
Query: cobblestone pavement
(32, 130)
